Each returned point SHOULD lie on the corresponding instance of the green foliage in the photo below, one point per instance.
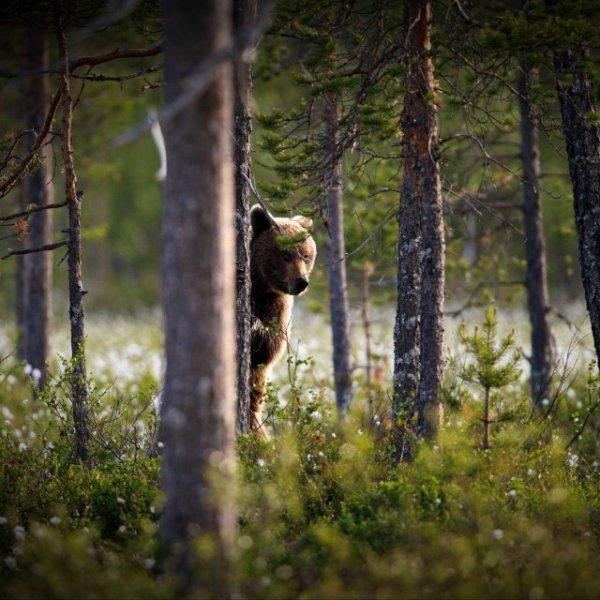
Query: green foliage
(495, 362)
(324, 509)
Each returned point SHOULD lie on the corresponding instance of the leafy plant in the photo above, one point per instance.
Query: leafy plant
(495, 365)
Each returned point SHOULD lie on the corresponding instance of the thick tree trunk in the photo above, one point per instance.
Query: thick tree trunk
(582, 137)
(79, 387)
(244, 16)
(338, 289)
(37, 288)
(542, 341)
(418, 332)
(198, 268)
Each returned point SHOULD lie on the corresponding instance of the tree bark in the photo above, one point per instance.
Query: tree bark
(538, 303)
(79, 387)
(244, 15)
(418, 332)
(198, 263)
(22, 282)
(37, 288)
(338, 288)
(582, 137)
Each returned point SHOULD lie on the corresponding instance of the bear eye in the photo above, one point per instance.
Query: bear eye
(286, 256)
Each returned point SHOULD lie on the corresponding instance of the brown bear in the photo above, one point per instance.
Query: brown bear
(282, 256)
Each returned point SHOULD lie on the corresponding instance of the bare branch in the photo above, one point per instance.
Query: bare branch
(31, 211)
(197, 82)
(44, 248)
(580, 430)
(117, 78)
(270, 217)
(20, 169)
(92, 61)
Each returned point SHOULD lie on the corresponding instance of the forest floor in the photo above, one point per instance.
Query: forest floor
(325, 510)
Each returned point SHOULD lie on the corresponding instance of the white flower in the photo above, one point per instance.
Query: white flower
(55, 520)
(19, 532)
(6, 413)
(121, 500)
(360, 432)
(545, 402)
(512, 493)
(497, 534)
(27, 369)
(530, 472)
(122, 528)
(36, 375)
(261, 462)
(573, 460)
(333, 435)
(149, 563)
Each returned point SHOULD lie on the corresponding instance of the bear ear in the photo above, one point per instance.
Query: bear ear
(259, 219)
(305, 222)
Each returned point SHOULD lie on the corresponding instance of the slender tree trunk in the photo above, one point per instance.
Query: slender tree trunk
(366, 319)
(582, 137)
(79, 387)
(39, 191)
(542, 341)
(198, 268)
(244, 15)
(418, 332)
(22, 282)
(486, 420)
(338, 289)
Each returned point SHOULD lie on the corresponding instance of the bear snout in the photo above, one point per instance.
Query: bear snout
(299, 286)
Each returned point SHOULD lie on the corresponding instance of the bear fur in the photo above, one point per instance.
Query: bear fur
(280, 266)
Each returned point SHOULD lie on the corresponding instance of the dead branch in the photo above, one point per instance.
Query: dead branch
(44, 248)
(31, 211)
(6, 185)
(117, 78)
(197, 82)
(471, 299)
(270, 217)
(92, 61)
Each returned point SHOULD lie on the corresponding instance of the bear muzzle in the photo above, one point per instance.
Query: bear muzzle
(299, 286)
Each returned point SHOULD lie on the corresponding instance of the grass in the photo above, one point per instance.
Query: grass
(325, 512)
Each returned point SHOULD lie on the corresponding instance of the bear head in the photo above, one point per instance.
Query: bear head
(282, 257)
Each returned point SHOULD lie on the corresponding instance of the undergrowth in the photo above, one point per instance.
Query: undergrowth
(325, 512)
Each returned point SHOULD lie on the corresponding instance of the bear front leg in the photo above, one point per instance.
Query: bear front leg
(258, 390)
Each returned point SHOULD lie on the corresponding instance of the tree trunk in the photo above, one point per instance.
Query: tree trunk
(198, 263)
(582, 137)
(244, 15)
(79, 387)
(418, 332)
(487, 423)
(366, 319)
(37, 288)
(22, 281)
(542, 341)
(338, 289)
